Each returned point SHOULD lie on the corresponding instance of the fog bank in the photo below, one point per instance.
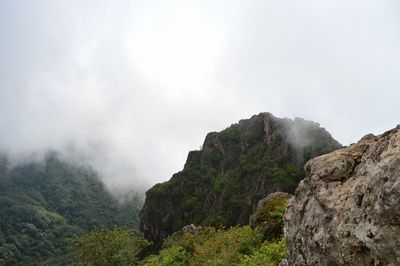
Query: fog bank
(131, 86)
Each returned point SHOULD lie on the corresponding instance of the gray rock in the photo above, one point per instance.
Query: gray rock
(265, 216)
(347, 209)
(191, 229)
(222, 183)
(284, 263)
(188, 229)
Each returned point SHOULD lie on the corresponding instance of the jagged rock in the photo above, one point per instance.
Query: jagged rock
(347, 209)
(191, 229)
(284, 262)
(221, 184)
(268, 216)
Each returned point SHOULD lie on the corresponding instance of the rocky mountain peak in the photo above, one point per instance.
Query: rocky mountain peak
(222, 183)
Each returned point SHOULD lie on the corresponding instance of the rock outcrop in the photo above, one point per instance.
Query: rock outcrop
(222, 183)
(188, 229)
(268, 216)
(347, 209)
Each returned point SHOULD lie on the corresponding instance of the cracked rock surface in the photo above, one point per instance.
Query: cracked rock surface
(347, 209)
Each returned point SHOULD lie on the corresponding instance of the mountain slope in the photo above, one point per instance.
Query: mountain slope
(222, 183)
(43, 203)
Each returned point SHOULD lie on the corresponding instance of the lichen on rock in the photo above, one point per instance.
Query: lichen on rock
(347, 209)
(269, 215)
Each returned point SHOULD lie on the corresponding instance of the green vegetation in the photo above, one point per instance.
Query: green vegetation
(206, 245)
(226, 247)
(116, 247)
(269, 254)
(287, 177)
(197, 246)
(221, 184)
(269, 217)
(271, 212)
(44, 203)
(188, 189)
(56, 213)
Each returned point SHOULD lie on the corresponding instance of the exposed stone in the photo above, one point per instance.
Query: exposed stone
(268, 216)
(191, 229)
(284, 262)
(222, 183)
(188, 229)
(347, 209)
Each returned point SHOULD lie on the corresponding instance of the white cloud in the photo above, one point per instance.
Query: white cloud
(135, 85)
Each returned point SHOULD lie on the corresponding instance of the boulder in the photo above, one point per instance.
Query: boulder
(268, 216)
(347, 209)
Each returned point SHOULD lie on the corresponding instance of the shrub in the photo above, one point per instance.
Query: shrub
(227, 247)
(115, 247)
(269, 218)
(173, 256)
(269, 254)
(209, 246)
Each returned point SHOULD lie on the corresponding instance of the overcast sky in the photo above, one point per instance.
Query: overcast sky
(134, 85)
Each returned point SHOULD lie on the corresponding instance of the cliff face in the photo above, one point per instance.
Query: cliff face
(222, 183)
(347, 209)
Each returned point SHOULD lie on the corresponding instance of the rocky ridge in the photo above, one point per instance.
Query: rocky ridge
(347, 209)
(222, 183)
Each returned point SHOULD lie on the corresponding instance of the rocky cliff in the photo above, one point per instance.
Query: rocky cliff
(222, 183)
(347, 209)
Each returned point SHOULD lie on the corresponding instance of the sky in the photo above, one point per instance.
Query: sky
(132, 86)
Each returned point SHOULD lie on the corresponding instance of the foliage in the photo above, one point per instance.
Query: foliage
(208, 247)
(221, 184)
(226, 247)
(116, 247)
(269, 254)
(188, 241)
(240, 245)
(44, 202)
(216, 220)
(287, 177)
(173, 256)
(271, 214)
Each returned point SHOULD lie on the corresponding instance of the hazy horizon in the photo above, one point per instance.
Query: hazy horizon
(132, 86)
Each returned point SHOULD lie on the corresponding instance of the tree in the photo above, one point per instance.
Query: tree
(116, 247)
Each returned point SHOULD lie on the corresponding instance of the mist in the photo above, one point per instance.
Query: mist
(130, 87)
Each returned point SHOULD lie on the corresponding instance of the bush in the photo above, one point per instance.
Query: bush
(114, 247)
(286, 177)
(227, 247)
(209, 246)
(174, 256)
(269, 218)
(270, 254)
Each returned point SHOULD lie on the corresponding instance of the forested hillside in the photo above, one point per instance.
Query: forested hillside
(259, 243)
(222, 183)
(42, 203)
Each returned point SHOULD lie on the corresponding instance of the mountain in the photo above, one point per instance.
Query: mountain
(222, 183)
(42, 203)
(347, 209)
